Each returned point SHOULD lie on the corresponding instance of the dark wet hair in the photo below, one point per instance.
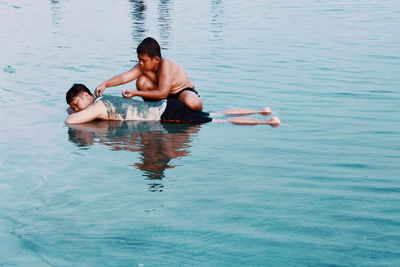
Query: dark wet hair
(150, 47)
(75, 90)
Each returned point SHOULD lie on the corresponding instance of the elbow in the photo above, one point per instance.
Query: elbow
(163, 95)
(69, 121)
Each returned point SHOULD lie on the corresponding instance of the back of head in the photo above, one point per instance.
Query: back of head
(150, 47)
(75, 90)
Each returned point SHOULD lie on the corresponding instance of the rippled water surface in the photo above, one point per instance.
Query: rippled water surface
(323, 189)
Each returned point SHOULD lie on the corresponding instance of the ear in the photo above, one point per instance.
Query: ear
(86, 95)
(157, 59)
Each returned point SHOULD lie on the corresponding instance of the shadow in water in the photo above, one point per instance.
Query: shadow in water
(157, 143)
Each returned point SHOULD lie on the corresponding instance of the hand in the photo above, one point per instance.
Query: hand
(70, 110)
(128, 93)
(100, 90)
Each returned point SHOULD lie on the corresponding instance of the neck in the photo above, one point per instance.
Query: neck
(157, 67)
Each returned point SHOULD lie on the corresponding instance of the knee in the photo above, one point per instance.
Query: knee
(191, 100)
(143, 83)
(195, 105)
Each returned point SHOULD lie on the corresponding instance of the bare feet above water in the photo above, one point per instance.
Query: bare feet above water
(266, 111)
(275, 122)
(243, 111)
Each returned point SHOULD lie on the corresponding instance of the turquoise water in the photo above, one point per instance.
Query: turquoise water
(323, 189)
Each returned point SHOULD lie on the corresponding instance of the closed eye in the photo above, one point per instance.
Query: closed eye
(74, 105)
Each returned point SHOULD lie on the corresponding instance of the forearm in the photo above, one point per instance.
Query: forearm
(125, 77)
(117, 80)
(89, 114)
(75, 118)
(154, 94)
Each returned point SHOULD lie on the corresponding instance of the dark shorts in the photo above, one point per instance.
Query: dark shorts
(176, 111)
(176, 96)
(171, 96)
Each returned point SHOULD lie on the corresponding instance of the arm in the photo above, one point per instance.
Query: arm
(90, 113)
(163, 88)
(122, 78)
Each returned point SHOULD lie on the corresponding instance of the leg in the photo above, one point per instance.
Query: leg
(274, 121)
(242, 111)
(144, 83)
(191, 100)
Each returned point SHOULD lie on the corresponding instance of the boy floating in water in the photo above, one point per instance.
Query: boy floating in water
(86, 108)
(156, 78)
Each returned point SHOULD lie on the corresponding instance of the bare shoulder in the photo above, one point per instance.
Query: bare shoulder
(136, 67)
(167, 62)
(99, 109)
(169, 65)
(96, 110)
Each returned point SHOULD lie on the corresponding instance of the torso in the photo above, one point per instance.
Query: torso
(119, 108)
(180, 79)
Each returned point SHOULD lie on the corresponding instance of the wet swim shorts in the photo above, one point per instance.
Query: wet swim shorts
(176, 96)
(176, 111)
(172, 96)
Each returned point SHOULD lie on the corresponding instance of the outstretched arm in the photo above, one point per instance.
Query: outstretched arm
(122, 78)
(153, 94)
(92, 112)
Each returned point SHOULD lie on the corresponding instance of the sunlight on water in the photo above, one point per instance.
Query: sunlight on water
(321, 190)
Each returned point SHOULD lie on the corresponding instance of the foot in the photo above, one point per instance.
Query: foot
(274, 122)
(266, 111)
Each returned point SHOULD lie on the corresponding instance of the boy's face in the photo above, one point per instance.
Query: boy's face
(81, 101)
(147, 63)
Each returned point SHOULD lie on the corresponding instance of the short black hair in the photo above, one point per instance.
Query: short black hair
(75, 90)
(150, 47)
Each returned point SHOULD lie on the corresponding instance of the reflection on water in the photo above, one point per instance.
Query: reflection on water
(138, 19)
(55, 12)
(139, 15)
(156, 143)
(323, 192)
(217, 13)
(164, 20)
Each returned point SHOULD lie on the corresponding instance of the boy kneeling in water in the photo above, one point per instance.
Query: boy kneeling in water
(86, 108)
